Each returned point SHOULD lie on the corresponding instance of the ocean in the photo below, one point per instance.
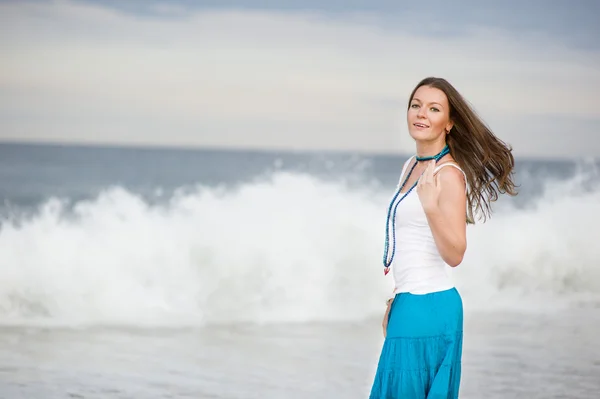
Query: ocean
(183, 273)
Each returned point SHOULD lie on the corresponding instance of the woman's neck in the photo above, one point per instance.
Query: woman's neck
(429, 149)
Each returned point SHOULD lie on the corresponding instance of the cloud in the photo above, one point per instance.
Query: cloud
(267, 79)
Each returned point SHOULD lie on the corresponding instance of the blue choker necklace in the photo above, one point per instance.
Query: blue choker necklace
(391, 214)
(445, 151)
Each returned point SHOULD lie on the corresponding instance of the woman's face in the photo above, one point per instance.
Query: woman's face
(428, 114)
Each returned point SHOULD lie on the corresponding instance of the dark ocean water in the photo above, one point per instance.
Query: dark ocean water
(30, 174)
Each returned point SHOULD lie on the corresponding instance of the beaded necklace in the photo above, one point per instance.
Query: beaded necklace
(391, 214)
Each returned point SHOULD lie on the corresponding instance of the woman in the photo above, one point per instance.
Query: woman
(459, 168)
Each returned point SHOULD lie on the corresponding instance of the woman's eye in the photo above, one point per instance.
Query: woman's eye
(415, 106)
(434, 109)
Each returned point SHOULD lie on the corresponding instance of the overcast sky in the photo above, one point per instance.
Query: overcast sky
(329, 75)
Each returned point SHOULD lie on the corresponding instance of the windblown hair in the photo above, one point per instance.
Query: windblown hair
(486, 160)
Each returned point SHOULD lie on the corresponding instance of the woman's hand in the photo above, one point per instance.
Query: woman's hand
(429, 188)
(386, 316)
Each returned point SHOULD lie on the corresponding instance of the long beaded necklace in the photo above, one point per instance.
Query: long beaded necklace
(391, 214)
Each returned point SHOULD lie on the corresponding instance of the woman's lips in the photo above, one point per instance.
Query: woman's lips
(420, 125)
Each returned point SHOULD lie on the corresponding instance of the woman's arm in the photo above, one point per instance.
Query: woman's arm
(447, 215)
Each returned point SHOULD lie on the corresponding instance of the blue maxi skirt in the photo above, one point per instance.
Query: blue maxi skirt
(421, 355)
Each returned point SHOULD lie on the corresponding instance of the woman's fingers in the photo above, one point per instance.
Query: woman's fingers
(430, 169)
(427, 177)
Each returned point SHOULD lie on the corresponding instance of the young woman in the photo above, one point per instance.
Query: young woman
(459, 168)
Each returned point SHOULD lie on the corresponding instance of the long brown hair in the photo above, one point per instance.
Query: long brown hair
(486, 160)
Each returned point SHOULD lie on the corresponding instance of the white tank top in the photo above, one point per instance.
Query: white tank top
(417, 267)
